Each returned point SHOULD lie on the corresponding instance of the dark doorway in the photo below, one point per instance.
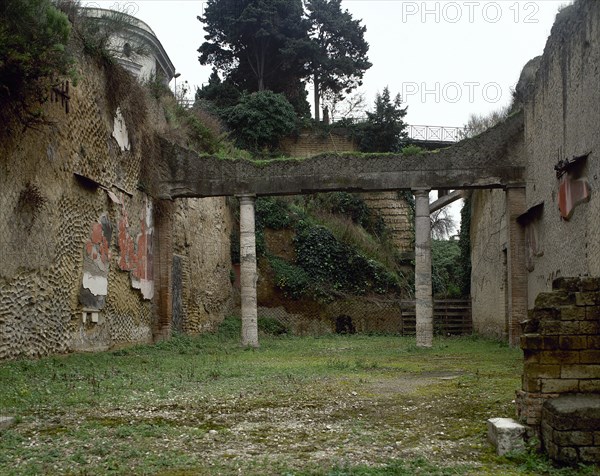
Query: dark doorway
(344, 325)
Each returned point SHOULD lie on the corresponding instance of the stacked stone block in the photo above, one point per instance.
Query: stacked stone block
(561, 345)
(571, 428)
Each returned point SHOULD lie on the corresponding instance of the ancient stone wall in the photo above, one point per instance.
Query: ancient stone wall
(397, 216)
(562, 124)
(309, 143)
(560, 93)
(570, 429)
(202, 231)
(78, 231)
(488, 261)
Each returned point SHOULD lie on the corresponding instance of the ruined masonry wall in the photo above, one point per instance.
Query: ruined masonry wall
(562, 122)
(397, 217)
(561, 345)
(202, 230)
(488, 261)
(309, 143)
(77, 236)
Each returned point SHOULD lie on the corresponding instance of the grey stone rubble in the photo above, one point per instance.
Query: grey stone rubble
(6, 422)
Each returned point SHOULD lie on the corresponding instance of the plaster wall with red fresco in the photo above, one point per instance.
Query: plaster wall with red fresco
(562, 137)
(86, 253)
(560, 95)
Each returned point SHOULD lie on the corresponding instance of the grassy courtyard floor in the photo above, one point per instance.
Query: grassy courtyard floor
(356, 405)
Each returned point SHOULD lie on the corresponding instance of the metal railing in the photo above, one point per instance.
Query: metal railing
(421, 133)
(435, 133)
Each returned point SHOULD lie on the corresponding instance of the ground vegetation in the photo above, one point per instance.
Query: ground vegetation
(336, 405)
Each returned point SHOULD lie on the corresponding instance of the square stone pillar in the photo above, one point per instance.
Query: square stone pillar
(516, 263)
(163, 269)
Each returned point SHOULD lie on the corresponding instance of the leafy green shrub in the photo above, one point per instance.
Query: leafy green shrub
(338, 268)
(187, 124)
(230, 328)
(411, 150)
(291, 279)
(446, 268)
(271, 326)
(346, 204)
(200, 136)
(319, 252)
(260, 120)
(33, 53)
(272, 213)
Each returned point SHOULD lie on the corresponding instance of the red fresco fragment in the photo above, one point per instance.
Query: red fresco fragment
(98, 247)
(136, 255)
(126, 246)
(571, 193)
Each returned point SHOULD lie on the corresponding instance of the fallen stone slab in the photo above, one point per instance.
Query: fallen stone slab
(6, 422)
(506, 434)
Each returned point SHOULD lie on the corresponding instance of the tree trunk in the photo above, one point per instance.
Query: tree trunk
(317, 100)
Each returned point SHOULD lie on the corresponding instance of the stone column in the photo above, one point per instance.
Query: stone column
(516, 263)
(423, 290)
(248, 274)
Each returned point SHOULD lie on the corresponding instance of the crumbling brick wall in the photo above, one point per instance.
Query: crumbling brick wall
(561, 345)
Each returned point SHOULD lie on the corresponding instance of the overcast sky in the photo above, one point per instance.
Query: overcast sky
(447, 59)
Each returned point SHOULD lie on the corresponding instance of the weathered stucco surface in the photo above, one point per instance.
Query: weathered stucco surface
(77, 235)
(489, 270)
(560, 92)
(562, 121)
(201, 241)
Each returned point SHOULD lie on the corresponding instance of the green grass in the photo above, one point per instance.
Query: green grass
(352, 405)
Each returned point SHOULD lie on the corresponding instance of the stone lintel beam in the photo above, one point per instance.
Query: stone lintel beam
(423, 287)
(445, 200)
(493, 159)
